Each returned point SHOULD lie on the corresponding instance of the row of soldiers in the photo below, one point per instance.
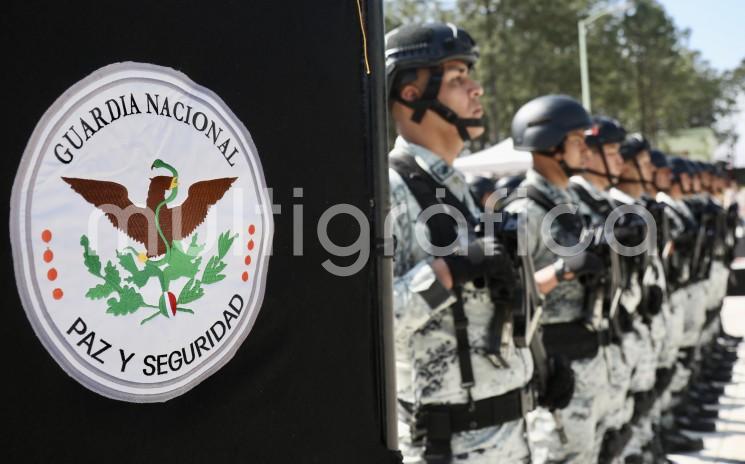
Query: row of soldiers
(569, 315)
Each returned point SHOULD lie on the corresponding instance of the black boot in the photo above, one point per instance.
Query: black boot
(727, 352)
(708, 389)
(674, 441)
(717, 375)
(723, 359)
(695, 423)
(693, 410)
(702, 398)
(729, 340)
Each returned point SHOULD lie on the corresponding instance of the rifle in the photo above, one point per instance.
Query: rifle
(603, 295)
(664, 241)
(700, 237)
(527, 306)
(710, 224)
(527, 316)
(731, 222)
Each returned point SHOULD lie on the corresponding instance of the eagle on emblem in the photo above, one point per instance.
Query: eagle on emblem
(157, 219)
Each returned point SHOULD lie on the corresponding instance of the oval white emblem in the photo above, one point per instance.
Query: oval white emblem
(141, 231)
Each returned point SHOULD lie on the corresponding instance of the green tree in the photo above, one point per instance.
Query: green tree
(528, 48)
(641, 68)
(399, 12)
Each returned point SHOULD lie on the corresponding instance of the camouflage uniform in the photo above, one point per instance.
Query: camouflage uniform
(679, 301)
(716, 286)
(674, 315)
(666, 329)
(563, 304)
(619, 372)
(674, 321)
(426, 359)
(695, 309)
(640, 347)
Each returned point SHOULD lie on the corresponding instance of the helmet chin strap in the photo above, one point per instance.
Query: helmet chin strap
(568, 170)
(429, 101)
(657, 187)
(641, 180)
(676, 180)
(462, 124)
(626, 180)
(612, 180)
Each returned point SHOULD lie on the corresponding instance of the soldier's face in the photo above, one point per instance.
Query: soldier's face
(576, 154)
(662, 178)
(705, 180)
(595, 161)
(685, 182)
(614, 158)
(696, 182)
(461, 93)
(716, 184)
(645, 165)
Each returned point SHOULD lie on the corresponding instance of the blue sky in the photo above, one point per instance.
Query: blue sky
(717, 28)
(718, 32)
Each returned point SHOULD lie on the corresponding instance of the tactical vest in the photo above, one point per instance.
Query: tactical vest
(434, 424)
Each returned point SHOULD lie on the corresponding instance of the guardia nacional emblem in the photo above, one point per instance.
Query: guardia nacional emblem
(141, 231)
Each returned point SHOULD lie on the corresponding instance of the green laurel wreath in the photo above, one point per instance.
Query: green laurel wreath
(181, 263)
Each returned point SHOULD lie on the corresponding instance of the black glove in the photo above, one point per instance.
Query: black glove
(559, 385)
(651, 304)
(585, 266)
(478, 262)
(625, 319)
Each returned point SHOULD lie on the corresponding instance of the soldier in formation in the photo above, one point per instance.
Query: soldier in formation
(465, 378)
(582, 325)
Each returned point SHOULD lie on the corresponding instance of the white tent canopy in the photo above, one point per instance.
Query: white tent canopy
(496, 161)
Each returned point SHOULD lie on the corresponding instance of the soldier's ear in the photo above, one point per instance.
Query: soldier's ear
(410, 93)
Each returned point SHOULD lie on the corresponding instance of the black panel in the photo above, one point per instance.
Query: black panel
(307, 385)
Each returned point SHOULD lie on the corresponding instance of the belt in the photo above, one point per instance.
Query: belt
(574, 340)
(434, 424)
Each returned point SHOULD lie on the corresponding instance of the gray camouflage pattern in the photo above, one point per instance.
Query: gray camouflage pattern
(580, 418)
(589, 405)
(425, 345)
(564, 303)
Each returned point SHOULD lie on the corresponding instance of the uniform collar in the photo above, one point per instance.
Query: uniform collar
(621, 196)
(589, 188)
(435, 166)
(555, 193)
(663, 197)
